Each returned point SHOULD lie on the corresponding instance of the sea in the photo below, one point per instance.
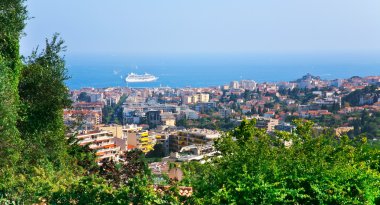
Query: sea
(176, 71)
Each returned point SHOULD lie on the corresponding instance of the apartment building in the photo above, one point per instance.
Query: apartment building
(138, 138)
(196, 98)
(194, 136)
(266, 123)
(89, 118)
(102, 142)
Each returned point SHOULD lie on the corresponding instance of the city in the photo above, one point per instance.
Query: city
(189, 102)
(166, 123)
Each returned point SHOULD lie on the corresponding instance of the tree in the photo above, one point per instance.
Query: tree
(260, 111)
(132, 164)
(12, 17)
(43, 96)
(84, 97)
(257, 168)
(353, 98)
(157, 152)
(83, 156)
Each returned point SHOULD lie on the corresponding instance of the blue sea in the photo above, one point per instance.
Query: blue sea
(212, 70)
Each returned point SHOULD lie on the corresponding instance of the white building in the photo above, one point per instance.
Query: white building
(248, 84)
(102, 142)
(234, 85)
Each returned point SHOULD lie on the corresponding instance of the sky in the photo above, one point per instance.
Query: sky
(165, 27)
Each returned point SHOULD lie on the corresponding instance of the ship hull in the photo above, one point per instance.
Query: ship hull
(140, 80)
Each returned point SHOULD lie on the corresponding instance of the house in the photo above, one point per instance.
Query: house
(269, 114)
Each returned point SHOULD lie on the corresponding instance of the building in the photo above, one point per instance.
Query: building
(225, 112)
(95, 106)
(117, 130)
(342, 130)
(163, 139)
(102, 142)
(204, 106)
(234, 85)
(192, 153)
(225, 87)
(337, 83)
(248, 84)
(287, 127)
(190, 114)
(167, 118)
(138, 138)
(95, 97)
(269, 114)
(191, 137)
(87, 118)
(266, 123)
(192, 99)
(186, 99)
(153, 118)
(203, 97)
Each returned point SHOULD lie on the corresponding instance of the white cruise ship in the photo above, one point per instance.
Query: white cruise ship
(135, 78)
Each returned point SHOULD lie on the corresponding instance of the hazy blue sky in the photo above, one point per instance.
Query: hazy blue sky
(122, 27)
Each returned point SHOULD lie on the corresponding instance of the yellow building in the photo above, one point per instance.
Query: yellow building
(187, 99)
(204, 97)
(192, 99)
(139, 139)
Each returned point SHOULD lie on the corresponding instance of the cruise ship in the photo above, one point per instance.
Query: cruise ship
(135, 78)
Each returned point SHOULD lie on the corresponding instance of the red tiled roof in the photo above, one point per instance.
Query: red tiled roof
(130, 147)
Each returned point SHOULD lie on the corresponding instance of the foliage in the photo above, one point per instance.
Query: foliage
(114, 113)
(43, 96)
(132, 163)
(95, 190)
(354, 97)
(366, 123)
(256, 168)
(84, 97)
(12, 17)
(82, 156)
(253, 167)
(157, 152)
(117, 183)
(213, 123)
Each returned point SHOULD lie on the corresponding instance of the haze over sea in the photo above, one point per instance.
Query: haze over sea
(213, 70)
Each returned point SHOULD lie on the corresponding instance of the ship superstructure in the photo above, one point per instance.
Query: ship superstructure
(135, 78)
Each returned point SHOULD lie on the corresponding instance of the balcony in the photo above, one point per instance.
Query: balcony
(144, 139)
(100, 145)
(107, 151)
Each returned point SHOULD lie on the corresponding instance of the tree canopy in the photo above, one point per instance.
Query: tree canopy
(257, 168)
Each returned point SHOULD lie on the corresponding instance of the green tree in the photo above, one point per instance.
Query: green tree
(84, 97)
(82, 156)
(132, 163)
(12, 17)
(257, 168)
(43, 96)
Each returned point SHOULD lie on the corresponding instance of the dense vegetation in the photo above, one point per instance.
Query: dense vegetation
(366, 123)
(12, 16)
(370, 92)
(256, 168)
(38, 162)
(114, 113)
